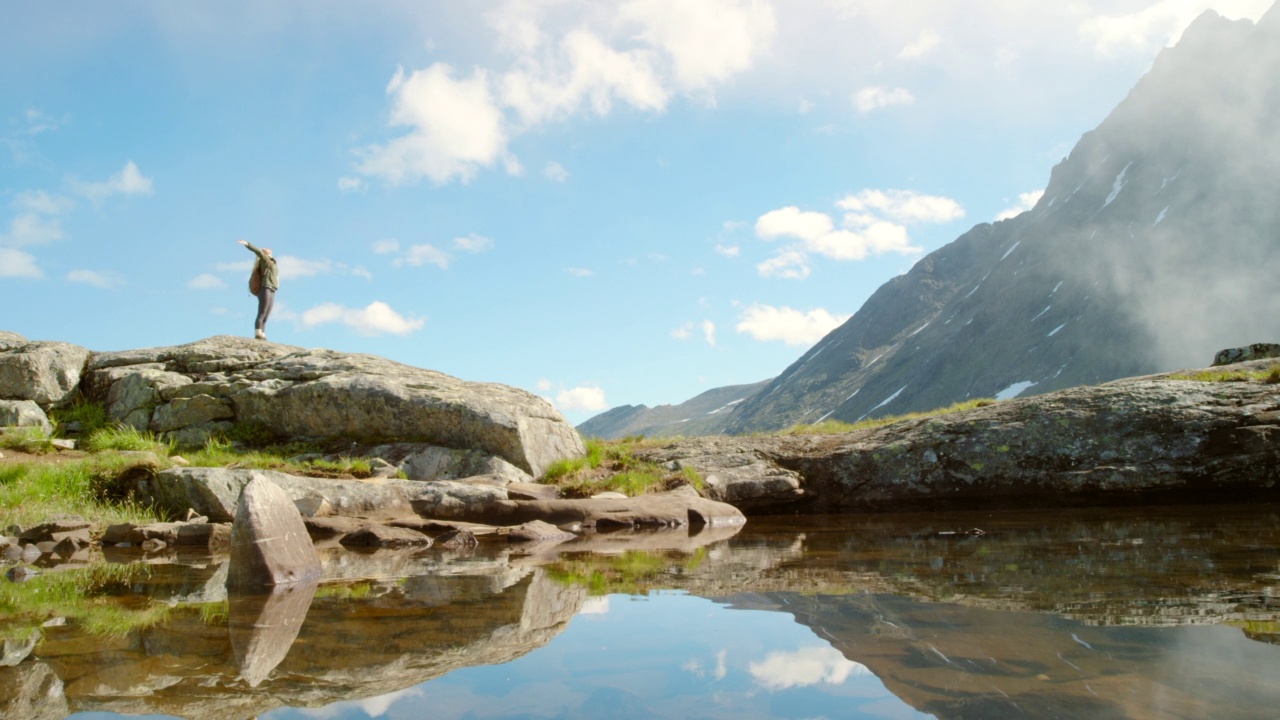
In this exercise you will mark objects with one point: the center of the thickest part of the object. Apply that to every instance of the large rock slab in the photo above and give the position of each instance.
(47, 373)
(1155, 439)
(269, 542)
(214, 492)
(299, 393)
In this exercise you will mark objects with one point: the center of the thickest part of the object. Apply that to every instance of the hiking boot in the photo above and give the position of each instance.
(260, 335)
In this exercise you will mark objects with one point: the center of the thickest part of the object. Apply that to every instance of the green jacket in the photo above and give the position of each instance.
(270, 271)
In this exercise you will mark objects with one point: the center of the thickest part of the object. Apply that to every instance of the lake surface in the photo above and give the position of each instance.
(1134, 613)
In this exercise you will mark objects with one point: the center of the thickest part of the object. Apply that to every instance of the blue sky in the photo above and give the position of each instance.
(605, 203)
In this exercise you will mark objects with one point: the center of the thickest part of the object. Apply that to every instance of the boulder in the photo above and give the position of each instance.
(24, 413)
(47, 373)
(269, 542)
(16, 647)
(477, 428)
(11, 340)
(537, 531)
(665, 510)
(264, 626)
(213, 492)
(32, 691)
(385, 536)
(1256, 351)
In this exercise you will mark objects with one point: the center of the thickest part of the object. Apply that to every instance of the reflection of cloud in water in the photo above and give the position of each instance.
(595, 606)
(801, 668)
(374, 707)
(722, 668)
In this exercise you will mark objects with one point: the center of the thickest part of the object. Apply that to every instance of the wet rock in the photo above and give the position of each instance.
(324, 528)
(385, 536)
(538, 531)
(12, 554)
(151, 545)
(56, 530)
(438, 527)
(21, 573)
(269, 542)
(214, 537)
(648, 511)
(458, 540)
(532, 491)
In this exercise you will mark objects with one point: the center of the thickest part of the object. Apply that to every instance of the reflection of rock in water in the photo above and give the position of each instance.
(31, 691)
(263, 627)
(393, 635)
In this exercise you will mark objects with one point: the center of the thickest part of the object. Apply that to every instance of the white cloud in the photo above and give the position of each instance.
(555, 171)
(873, 98)
(792, 222)
(544, 385)
(424, 254)
(383, 247)
(102, 280)
(455, 128)
(206, 281)
(584, 397)
(473, 243)
(906, 206)
(579, 272)
(1026, 201)
(348, 184)
(803, 668)
(684, 332)
(922, 46)
(129, 181)
(30, 228)
(708, 41)
(709, 332)
(18, 264)
(295, 267)
(730, 251)
(39, 201)
(788, 265)
(376, 319)
(793, 327)
(362, 272)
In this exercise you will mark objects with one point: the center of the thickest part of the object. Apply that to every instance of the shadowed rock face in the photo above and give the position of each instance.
(1142, 440)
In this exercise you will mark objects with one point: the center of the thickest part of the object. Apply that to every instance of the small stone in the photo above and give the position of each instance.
(63, 443)
(21, 573)
(179, 460)
(12, 554)
(66, 547)
(153, 545)
(385, 536)
(194, 517)
(458, 540)
(120, 534)
(538, 531)
(54, 622)
(609, 495)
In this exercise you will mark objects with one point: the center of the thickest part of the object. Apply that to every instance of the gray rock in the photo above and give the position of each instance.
(11, 339)
(458, 540)
(24, 413)
(1257, 351)
(385, 536)
(55, 530)
(133, 398)
(439, 463)
(538, 531)
(664, 510)
(269, 542)
(185, 412)
(264, 626)
(47, 373)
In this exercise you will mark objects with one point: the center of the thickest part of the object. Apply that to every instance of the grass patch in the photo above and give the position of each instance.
(611, 466)
(31, 494)
(86, 417)
(1270, 375)
(30, 440)
(223, 452)
(634, 572)
(126, 438)
(831, 427)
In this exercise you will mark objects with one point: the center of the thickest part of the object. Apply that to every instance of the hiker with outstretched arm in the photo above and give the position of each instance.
(267, 275)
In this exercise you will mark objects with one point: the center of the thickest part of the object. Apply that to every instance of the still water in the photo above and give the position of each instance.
(1135, 613)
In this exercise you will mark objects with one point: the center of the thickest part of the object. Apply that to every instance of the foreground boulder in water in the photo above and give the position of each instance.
(269, 541)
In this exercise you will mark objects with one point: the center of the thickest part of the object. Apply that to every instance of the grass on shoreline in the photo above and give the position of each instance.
(1269, 375)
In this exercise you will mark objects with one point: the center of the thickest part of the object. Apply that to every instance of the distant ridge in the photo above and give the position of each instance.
(698, 416)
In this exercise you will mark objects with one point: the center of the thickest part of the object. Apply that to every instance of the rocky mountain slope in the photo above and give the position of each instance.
(1154, 244)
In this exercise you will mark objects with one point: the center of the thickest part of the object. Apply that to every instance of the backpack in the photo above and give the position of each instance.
(255, 280)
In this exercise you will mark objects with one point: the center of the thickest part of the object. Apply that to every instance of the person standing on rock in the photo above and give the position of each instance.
(268, 281)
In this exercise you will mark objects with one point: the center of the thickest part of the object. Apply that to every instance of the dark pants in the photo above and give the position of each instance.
(266, 298)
